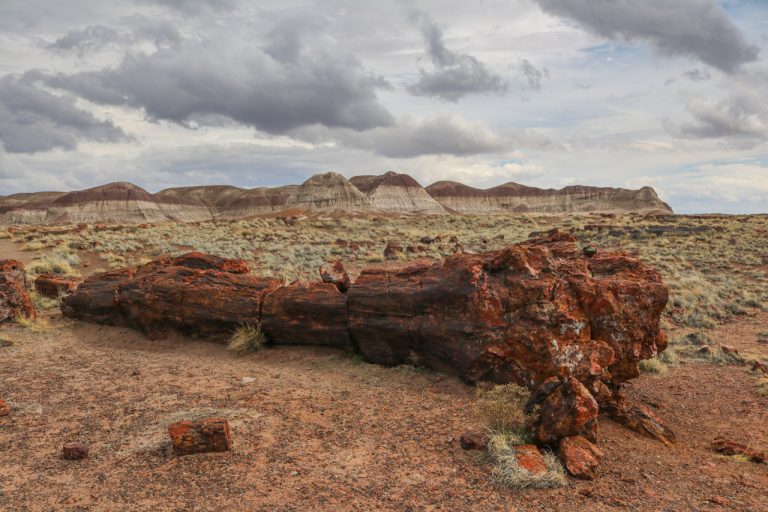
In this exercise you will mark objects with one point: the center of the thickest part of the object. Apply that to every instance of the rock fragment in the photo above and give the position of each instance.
(5, 409)
(474, 440)
(200, 436)
(74, 451)
(14, 299)
(580, 457)
(52, 286)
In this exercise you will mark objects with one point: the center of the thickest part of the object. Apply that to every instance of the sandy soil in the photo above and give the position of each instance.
(316, 430)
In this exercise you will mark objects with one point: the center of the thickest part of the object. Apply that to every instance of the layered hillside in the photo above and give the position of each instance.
(112, 203)
(397, 193)
(391, 192)
(516, 198)
(232, 202)
(329, 191)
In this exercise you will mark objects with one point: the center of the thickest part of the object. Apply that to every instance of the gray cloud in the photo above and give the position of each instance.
(533, 75)
(696, 28)
(697, 75)
(742, 117)
(32, 119)
(192, 7)
(96, 37)
(440, 135)
(454, 75)
(232, 77)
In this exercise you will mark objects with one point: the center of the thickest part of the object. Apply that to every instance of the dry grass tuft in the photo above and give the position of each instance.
(507, 471)
(7, 342)
(246, 339)
(502, 408)
(654, 365)
(761, 387)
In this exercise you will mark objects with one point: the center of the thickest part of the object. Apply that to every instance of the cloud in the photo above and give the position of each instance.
(454, 75)
(193, 7)
(96, 37)
(697, 75)
(533, 75)
(33, 120)
(414, 136)
(741, 117)
(695, 28)
(230, 76)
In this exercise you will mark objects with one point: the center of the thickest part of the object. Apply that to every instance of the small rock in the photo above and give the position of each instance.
(589, 251)
(719, 500)
(334, 272)
(760, 367)
(247, 380)
(200, 436)
(529, 458)
(5, 409)
(580, 457)
(474, 440)
(74, 451)
(729, 349)
(730, 447)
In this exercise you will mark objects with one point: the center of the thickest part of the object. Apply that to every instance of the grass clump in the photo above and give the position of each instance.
(502, 408)
(761, 387)
(7, 342)
(507, 470)
(655, 365)
(246, 339)
(41, 302)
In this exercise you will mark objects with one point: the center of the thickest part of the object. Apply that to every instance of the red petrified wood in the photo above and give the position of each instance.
(201, 436)
(5, 409)
(74, 451)
(14, 299)
(52, 286)
(529, 458)
(580, 457)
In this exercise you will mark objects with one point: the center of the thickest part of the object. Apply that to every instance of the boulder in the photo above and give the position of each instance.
(567, 409)
(193, 294)
(200, 436)
(14, 299)
(306, 314)
(529, 458)
(580, 457)
(52, 286)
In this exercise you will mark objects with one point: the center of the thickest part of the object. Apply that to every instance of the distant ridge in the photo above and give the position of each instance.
(124, 202)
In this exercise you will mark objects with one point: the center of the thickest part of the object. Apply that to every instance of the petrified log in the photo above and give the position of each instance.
(193, 294)
(529, 312)
(14, 299)
(306, 314)
(52, 286)
(200, 436)
(729, 447)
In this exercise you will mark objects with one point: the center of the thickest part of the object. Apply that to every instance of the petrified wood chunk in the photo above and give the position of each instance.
(194, 294)
(529, 312)
(51, 285)
(306, 314)
(200, 436)
(14, 299)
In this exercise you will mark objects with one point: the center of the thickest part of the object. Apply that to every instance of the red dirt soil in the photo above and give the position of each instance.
(315, 430)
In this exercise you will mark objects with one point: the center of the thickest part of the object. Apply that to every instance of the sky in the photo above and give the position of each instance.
(548, 93)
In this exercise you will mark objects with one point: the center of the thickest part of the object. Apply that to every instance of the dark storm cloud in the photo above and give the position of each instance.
(96, 37)
(232, 77)
(33, 120)
(533, 75)
(454, 75)
(696, 28)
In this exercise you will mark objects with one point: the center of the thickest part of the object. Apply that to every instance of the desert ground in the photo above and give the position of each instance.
(318, 429)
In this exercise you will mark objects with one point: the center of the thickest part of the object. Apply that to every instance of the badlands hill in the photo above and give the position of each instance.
(390, 192)
(516, 198)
